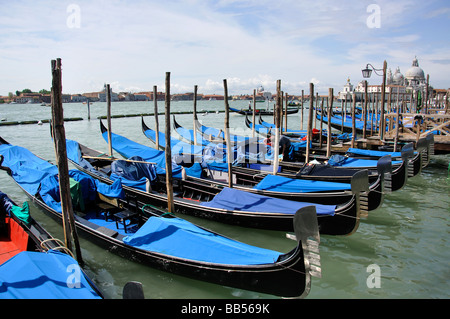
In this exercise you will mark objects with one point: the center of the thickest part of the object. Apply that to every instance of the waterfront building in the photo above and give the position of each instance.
(414, 80)
(415, 77)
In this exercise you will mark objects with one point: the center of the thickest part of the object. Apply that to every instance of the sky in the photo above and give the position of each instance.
(132, 44)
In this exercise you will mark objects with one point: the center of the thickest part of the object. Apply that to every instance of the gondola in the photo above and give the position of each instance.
(327, 193)
(394, 178)
(212, 135)
(197, 198)
(297, 138)
(25, 244)
(345, 125)
(262, 111)
(166, 242)
(408, 164)
(302, 133)
(264, 126)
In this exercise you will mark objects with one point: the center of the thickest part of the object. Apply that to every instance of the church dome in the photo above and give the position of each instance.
(398, 77)
(415, 72)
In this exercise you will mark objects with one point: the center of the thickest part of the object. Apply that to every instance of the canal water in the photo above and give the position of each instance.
(401, 250)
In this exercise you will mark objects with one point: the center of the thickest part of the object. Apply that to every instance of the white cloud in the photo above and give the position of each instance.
(249, 42)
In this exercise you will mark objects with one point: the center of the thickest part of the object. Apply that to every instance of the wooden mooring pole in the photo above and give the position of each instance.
(155, 105)
(353, 120)
(168, 151)
(310, 119)
(301, 117)
(108, 115)
(195, 114)
(276, 145)
(365, 110)
(254, 113)
(59, 138)
(330, 111)
(227, 135)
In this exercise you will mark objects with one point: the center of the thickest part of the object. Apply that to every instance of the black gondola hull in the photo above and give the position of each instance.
(275, 279)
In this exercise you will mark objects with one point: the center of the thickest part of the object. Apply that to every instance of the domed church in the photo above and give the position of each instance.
(396, 79)
(415, 77)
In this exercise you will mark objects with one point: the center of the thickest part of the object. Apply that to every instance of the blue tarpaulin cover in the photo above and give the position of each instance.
(127, 148)
(177, 237)
(37, 175)
(359, 151)
(27, 169)
(233, 199)
(285, 184)
(177, 146)
(135, 171)
(51, 275)
(343, 161)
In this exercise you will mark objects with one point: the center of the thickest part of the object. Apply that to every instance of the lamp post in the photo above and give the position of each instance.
(366, 74)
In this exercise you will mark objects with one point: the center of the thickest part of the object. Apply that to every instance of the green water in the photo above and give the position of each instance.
(407, 238)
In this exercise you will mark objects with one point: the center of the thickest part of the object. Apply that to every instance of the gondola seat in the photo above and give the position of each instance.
(124, 216)
(108, 206)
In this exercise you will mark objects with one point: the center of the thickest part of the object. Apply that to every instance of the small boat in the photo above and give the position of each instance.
(164, 241)
(258, 167)
(319, 192)
(345, 124)
(51, 271)
(261, 111)
(201, 199)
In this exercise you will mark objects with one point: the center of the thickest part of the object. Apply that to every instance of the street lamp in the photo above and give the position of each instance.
(366, 74)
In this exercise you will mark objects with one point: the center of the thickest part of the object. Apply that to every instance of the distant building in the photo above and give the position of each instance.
(102, 96)
(212, 97)
(261, 93)
(29, 98)
(415, 77)
(93, 96)
(78, 98)
(183, 97)
(413, 80)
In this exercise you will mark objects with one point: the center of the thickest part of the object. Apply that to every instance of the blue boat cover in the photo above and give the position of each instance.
(272, 126)
(277, 183)
(27, 169)
(177, 237)
(128, 148)
(36, 175)
(188, 135)
(233, 199)
(74, 154)
(344, 161)
(177, 146)
(359, 151)
(347, 123)
(37, 275)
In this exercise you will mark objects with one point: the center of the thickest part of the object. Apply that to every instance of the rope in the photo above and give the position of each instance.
(156, 208)
(61, 247)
